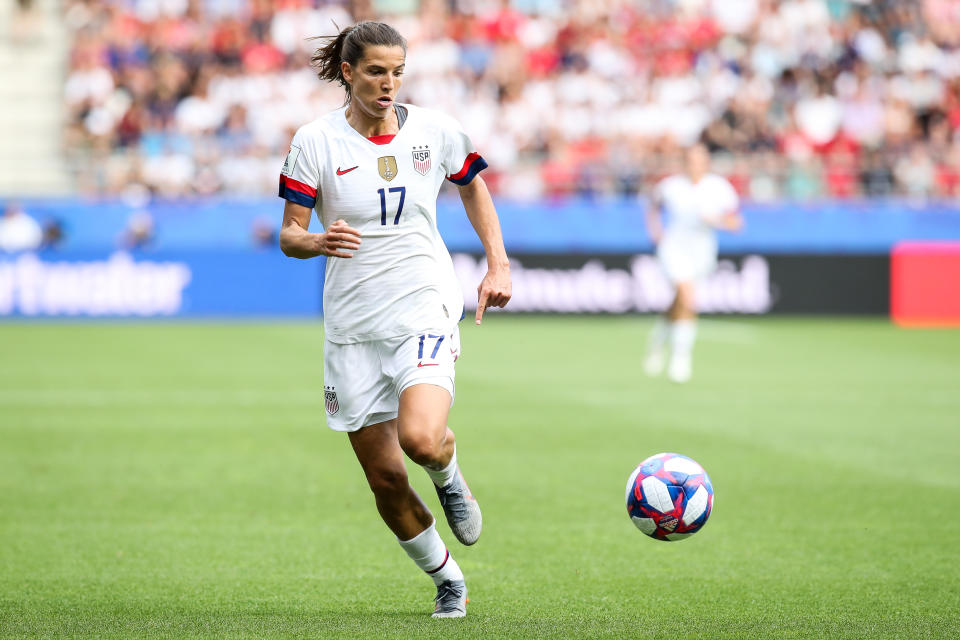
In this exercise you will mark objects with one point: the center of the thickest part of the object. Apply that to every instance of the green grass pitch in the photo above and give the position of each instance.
(178, 480)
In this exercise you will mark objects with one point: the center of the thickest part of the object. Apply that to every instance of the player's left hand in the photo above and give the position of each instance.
(733, 221)
(494, 291)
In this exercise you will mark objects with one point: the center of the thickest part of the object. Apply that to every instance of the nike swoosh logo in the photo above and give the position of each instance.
(430, 364)
(340, 171)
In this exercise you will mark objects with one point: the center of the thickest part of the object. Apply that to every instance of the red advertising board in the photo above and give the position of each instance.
(925, 284)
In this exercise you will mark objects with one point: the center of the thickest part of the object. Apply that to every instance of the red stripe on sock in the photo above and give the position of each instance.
(447, 557)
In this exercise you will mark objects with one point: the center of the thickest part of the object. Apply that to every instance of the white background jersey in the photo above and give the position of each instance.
(690, 208)
(401, 279)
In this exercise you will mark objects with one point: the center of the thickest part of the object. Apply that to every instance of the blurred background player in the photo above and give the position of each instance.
(391, 300)
(695, 203)
(18, 231)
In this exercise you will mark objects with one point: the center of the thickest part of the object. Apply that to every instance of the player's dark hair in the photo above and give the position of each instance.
(349, 46)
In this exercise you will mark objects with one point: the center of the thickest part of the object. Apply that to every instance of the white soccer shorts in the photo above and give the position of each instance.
(362, 382)
(687, 258)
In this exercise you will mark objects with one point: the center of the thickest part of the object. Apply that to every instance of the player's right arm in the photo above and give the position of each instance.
(300, 188)
(296, 240)
(654, 215)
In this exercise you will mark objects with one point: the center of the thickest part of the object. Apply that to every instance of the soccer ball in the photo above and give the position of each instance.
(669, 496)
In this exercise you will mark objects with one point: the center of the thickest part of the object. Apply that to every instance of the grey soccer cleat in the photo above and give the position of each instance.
(461, 509)
(451, 600)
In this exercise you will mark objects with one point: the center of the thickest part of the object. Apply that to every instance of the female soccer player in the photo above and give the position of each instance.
(696, 203)
(391, 300)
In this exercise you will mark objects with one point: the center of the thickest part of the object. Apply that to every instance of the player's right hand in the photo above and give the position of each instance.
(338, 239)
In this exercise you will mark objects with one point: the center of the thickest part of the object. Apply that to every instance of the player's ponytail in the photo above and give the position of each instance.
(349, 45)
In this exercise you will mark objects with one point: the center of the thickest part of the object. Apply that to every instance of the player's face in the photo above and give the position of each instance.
(698, 160)
(375, 80)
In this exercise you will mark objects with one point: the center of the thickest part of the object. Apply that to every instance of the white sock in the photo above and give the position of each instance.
(443, 477)
(683, 334)
(659, 335)
(430, 554)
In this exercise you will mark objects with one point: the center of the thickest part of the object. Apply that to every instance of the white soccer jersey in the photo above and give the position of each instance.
(688, 249)
(401, 279)
(691, 208)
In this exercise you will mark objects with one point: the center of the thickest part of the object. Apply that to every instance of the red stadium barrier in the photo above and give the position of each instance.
(925, 284)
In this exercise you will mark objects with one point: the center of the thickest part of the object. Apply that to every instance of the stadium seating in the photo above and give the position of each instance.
(33, 58)
(800, 99)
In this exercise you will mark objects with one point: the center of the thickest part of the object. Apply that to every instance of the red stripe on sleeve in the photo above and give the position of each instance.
(466, 166)
(296, 185)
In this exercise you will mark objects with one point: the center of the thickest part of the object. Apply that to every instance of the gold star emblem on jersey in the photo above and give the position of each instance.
(387, 165)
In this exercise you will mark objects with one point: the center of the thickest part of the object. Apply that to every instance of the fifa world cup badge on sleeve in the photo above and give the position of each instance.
(291, 161)
(421, 159)
(330, 400)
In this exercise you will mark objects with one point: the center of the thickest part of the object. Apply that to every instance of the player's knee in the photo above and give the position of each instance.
(422, 448)
(685, 303)
(388, 481)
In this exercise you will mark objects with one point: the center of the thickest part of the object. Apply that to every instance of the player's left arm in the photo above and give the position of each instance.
(730, 218)
(729, 221)
(496, 288)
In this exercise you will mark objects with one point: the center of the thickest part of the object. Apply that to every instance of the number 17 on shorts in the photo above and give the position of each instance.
(433, 359)
(432, 343)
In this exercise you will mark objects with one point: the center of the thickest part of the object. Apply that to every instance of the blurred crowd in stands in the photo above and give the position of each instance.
(798, 99)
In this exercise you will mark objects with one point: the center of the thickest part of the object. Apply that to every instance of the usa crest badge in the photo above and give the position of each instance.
(330, 400)
(387, 166)
(421, 159)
